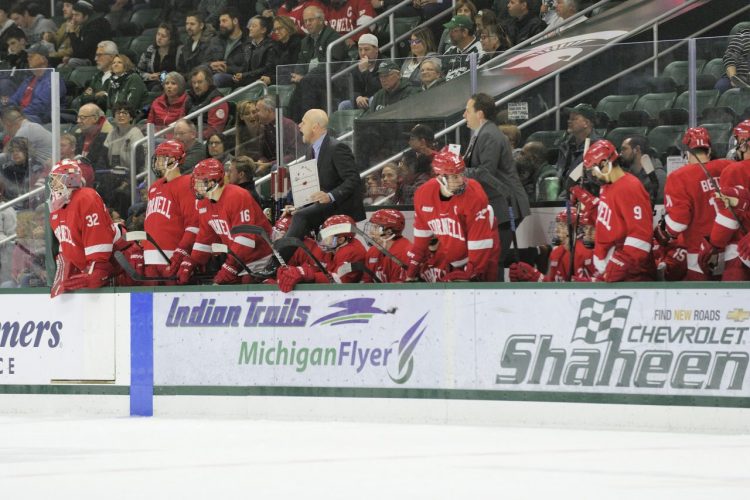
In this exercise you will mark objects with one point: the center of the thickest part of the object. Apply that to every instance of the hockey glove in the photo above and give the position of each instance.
(178, 256)
(589, 202)
(95, 277)
(736, 197)
(521, 271)
(226, 275)
(618, 268)
(743, 248)
(186, 270)
(708, 257)
(288, 277)
(465, 274)
(662, 234)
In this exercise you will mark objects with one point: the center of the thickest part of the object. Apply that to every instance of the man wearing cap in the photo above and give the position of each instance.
(581, 120)
(393, 87)
(526, 21)
(456, 60)
(34, 95)
(91, 30)
(365, 81)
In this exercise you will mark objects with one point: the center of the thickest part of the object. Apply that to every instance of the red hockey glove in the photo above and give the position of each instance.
(98, 277)
(412, 272)
(662, 234)
(178, 256)
(589, 202)
(741, 198)
(618, 268)
(743, 248)
(708, 257)
(288, 277)
(226, 275)
(465, 274)
(185, 272)
(521, 271)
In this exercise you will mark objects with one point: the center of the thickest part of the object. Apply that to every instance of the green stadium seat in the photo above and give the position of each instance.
(731, 106)
(646, 110)
(146, 18)
(714, 67)
(550, 138)
(678, 71)
(678, 115)
(720, 134)
(666, 139)
(343, 121)
(617, 135)
(613, 105)
(81, 76)
(140, 43)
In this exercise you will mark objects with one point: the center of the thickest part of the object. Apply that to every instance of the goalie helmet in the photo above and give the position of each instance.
(207, 175)
(64, 178)
(164, 151)
(697, 138)
(328, 240)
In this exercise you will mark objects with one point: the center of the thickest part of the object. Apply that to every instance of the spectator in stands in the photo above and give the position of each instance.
(68, 152)
(580, 127)
(200, 47)
(290, 132)
(15, 124)
(373, 192)
(736, 63)
(526, 20)
(418, 171)
(91, 133)
(211, 10)
(98, 87)
(248, 131)
(484, 18)
(633, 148)
(126, 85)
(170, 106)
(8, 223)
(8, 28)
(92, 29)
(34, 94)
(28, 16)
(513, 134)
(122, 136)
(232, 54)
(465, 8)
(456, 58)
(186, 133)
(218, 148)
(365, 81)
(529, 164)
(16, 60)
(20, 171)
(309, 75)
(160, 58)
(203, 92)
(494, 42)
(346, 15)
(295, 10)
(63, 48)
(261, 54)
(392, 177)
(242, 173)
(421, 45)
(288, 40)
(430, 73)
(422, 144)
(565, 9)
(394, 88)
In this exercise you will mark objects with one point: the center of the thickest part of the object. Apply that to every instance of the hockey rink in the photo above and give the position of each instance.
(221, 458)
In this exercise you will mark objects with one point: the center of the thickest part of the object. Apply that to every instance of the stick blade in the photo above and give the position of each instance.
(247, 228)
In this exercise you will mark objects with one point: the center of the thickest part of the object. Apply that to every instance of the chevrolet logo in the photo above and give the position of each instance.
(738, 315)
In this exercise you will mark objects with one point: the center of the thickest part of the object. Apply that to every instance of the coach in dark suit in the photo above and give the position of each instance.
(489, 160)
(341, 189)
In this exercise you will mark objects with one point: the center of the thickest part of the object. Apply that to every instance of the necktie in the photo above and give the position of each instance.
(470, 147)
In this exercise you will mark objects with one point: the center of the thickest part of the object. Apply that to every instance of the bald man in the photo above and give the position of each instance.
(340, 185)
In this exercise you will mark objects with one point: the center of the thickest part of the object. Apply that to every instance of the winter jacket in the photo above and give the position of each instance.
(162, 113)
(262, 60)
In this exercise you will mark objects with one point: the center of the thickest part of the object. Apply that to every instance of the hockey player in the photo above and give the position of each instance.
(559, 258)
(622, 245)
(689, 200)
(347, 15)
(220, 208)
(83, 228)
(732, 216)
(454, 210)
(171, 216)
(299, 257)
(385, 226)
(340, 251)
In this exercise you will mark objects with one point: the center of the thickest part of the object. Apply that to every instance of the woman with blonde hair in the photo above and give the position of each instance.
(421, 45)
(248, 131)
(125, 85)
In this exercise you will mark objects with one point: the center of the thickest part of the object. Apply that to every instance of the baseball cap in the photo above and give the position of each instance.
(387, 66)
(83, 7)
(420, 131)
(459, 22)
(585, 110)
(38, 48)
(368, 38)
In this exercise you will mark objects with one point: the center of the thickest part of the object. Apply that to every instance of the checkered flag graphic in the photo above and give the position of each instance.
(601, 321)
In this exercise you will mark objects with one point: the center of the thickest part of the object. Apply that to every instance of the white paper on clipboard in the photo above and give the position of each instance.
(304, 180)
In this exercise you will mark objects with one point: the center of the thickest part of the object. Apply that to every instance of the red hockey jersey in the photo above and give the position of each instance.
(171, 218)
(84, 229)
(725, 227)
(384, 267)
(349, 16)
(337, 263)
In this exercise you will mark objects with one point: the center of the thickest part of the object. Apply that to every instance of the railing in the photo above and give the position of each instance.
(150, 135)
(7, 239)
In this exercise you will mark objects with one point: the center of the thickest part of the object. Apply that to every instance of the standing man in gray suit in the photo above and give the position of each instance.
(489, 159)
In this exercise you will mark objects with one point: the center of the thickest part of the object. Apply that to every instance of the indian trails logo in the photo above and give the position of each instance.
(397, 357)
(664, 357)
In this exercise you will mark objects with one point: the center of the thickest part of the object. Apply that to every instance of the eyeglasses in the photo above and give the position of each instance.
(415, 41)
(122, 112)
(98, 54)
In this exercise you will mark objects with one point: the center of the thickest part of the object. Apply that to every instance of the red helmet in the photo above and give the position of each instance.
(599, 151)
(697, 138)
(281, 227)
(339, 219)
(329, 234)
(446, 162)
(64, 178)
(168, 149)
(389, 218)
(206, 171)
(742, 131)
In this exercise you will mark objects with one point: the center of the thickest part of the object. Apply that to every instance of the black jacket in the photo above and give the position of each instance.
(93, 31)
(260, 60)
(526, 27)
(236, 60)
(365, 83)
(338, 176)
(316, 48)
(206, 51)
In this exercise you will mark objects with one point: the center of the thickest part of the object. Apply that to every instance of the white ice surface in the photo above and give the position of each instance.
(165, 458)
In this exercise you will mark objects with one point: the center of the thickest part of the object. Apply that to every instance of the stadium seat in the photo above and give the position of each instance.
(122, 42)
(720, 134)
(550, 138)
(401, 25)
(140, 43)
(146, 18)
(613, 105)
(739, 27)
(678, 115)
(678, 71)
(252, 94)
(666, 139)
(714, 67)
(343, 121)
(81, 76)
(617, 135)
(646, 110)
(731, 106)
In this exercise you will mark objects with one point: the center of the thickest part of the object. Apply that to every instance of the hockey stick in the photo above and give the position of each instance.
(143, 235)
(573, 228)
(222, 248)
(512, 220)
(259, 231)
(135, 275)
(361, 267)
(290, 241)
(352, 228)
(715, 187)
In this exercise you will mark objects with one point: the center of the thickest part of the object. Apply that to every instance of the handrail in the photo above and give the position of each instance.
(8, 239)
(198, 113)
(21, 198)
